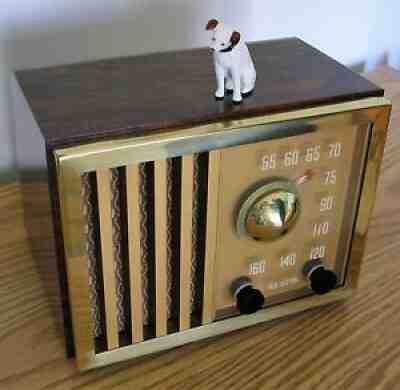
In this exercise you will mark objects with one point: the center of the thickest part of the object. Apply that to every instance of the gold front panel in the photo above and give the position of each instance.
(324, 165)
(229, 178)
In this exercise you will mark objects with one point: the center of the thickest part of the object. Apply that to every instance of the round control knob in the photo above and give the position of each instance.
(270, 211)
(248, 299)
(322, 280)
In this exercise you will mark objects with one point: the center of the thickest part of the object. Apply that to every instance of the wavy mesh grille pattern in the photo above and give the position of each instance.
(147, 194)
(95, 280)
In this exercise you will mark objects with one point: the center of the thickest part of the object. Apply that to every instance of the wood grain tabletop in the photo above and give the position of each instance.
(351, 345)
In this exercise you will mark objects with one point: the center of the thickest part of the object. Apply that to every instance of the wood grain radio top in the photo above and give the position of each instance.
(178, 217)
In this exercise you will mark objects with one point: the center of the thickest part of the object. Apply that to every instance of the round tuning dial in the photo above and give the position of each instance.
(270, 211)
(248, 299)
(321, 279)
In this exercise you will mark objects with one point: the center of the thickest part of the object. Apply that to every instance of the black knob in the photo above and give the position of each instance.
(322, 280)
(249, 300)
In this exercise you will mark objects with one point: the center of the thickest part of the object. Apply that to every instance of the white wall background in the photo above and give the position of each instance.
(35, 33)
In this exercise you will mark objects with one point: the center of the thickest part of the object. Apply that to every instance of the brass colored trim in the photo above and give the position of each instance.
(160, 222)
(72, 162)
(110, 297)
(186, 242)
(175, 142)
(135, 266)
(73, 225)
(364, 137)
(216, 328)
(368, 194)
(208, 314)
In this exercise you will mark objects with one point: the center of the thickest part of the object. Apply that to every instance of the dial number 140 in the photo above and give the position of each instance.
(288, 261)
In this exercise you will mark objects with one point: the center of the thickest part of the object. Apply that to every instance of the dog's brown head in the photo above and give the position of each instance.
(212, 24)
(224, 38)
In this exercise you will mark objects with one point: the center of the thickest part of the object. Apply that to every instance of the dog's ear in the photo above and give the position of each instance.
(212, 24)
(235, 38)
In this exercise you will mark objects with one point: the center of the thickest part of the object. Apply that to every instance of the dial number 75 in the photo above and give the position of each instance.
(330, 177)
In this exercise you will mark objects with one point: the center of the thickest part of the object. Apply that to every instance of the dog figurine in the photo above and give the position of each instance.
(234, 66)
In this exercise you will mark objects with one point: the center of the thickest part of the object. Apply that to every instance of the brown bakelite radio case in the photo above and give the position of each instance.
(177, 217)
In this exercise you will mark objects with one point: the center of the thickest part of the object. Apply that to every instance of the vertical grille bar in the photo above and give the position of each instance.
(107, 250)
(160, 210)
(156, 247)
(135, 265)
(186, 242)
(208, 314)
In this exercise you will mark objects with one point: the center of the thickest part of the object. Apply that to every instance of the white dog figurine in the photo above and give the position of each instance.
(234, 67)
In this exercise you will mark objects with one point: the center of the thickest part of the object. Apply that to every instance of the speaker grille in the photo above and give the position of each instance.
(143, 283)
(90, 211)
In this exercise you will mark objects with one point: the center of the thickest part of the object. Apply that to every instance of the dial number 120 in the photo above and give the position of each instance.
(317, 252)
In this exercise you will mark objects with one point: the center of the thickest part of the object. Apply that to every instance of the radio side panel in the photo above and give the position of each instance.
(38, 183)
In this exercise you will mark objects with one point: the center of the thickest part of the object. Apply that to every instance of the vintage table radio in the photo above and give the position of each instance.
(178, 217)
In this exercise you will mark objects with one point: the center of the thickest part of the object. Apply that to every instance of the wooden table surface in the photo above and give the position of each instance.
(351, 345)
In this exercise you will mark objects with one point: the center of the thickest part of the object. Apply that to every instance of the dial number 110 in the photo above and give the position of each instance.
(321, 229)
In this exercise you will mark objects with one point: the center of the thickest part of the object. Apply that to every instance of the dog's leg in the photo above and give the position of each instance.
(229, 84)
(248, 87)
(237, 96)
(248, 82)
(220, 73)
